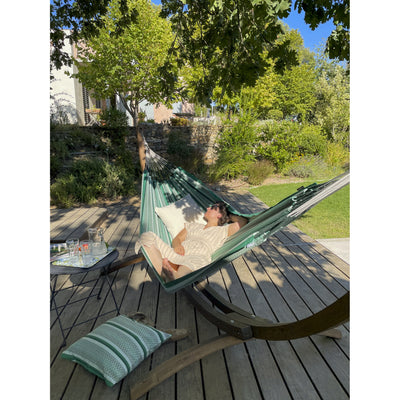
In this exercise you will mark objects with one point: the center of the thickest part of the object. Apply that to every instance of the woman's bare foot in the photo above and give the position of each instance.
(168, 272)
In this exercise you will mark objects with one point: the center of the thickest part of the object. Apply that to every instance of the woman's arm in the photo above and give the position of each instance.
(238, 222)
(233, 228)
(177, 242)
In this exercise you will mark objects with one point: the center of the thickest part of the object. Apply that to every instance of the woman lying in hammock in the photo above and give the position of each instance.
(193, 246)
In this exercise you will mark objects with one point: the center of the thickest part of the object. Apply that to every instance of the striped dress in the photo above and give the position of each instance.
(199, 245)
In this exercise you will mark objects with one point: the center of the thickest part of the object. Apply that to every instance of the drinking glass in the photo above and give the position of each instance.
(72, 245)
(86, 251)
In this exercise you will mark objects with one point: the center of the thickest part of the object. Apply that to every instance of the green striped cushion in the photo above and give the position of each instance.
(115, 348)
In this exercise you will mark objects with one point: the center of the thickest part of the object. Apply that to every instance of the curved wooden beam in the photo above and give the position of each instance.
(180, 361)
(244, 325)
(331, 316)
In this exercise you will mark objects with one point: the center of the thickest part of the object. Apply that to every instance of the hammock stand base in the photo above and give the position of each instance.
(240, 326)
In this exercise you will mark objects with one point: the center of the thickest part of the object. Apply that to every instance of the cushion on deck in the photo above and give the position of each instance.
(176, 214)
(115, 348)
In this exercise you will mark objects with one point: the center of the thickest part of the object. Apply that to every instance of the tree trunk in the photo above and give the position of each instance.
(141, 149)
(133, 109)
(134, 105)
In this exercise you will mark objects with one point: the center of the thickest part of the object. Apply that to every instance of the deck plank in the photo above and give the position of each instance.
(189, 380)
(74, 224)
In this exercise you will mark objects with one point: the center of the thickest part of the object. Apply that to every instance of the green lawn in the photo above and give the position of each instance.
(328, 219)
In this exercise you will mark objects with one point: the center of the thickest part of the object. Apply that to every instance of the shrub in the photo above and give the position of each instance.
(280, 143)
(259, 171)
(89, 180)
(285, 142)
(115, 124)
(236, 148)
(178, 121)
(337, 155)
(276, 115)
(307, 167)
(311, 140)
(141, 116)
(113, 118)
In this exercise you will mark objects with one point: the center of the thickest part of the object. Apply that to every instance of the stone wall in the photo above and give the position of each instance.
(201, 137)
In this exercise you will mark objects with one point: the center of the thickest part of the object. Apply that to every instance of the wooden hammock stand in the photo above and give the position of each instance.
(239, 325)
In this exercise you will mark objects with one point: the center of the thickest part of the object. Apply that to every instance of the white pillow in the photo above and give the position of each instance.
(175, 215)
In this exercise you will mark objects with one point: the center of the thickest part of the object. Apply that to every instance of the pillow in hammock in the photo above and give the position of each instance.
(115, 348)
(175, 215)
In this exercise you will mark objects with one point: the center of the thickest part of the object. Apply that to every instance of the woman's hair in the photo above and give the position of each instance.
(224, 212)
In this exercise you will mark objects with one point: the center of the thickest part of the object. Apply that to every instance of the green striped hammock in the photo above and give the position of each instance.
(164, 183)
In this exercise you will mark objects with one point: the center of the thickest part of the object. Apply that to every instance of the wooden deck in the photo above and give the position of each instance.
(290, 277)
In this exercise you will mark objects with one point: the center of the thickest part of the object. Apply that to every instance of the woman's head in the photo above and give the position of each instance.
(221, 208)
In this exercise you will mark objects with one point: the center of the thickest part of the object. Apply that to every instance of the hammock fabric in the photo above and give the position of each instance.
(163, 184)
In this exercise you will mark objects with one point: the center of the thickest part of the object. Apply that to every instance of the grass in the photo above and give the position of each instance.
(328, 219)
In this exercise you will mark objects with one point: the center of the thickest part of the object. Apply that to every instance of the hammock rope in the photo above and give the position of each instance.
(163, 184)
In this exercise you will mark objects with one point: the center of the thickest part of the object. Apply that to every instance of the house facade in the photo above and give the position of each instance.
(72, 103)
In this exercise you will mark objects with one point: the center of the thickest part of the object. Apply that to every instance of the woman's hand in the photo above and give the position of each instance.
(179, 249)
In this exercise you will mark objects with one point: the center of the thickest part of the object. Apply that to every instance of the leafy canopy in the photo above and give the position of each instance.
(75, 19)
(227, 39)
(128, 64)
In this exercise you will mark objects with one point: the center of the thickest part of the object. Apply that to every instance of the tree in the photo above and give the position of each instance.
(295, 92)
(291, 92)
(128, 64)
(227, 38)
(332, 110)
(77, 19)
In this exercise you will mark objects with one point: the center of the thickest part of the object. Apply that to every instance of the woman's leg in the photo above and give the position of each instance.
(155, 257)
(172, 272)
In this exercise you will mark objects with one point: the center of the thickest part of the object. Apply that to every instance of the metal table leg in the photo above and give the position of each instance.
(53, 301)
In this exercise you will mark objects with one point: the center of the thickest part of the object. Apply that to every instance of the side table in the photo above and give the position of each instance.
(102, 265)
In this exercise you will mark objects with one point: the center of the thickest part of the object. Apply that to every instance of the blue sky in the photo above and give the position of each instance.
(312, 39)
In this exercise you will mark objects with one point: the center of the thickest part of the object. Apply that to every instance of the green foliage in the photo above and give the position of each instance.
(259, 171)
(311, 140)
(307, 167)
(337, 155)
(332, 109)
(285, 142)
(235, 147)
(295, 92)
(115, 126)
(82, 21)
(200, 110)
(320, 11)
(87, 181)
(129, 63)
(113, 118)
(141, 116)
(276, 115)
(280, 144)
(179, 121)
(226, 39)
(108, 170)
